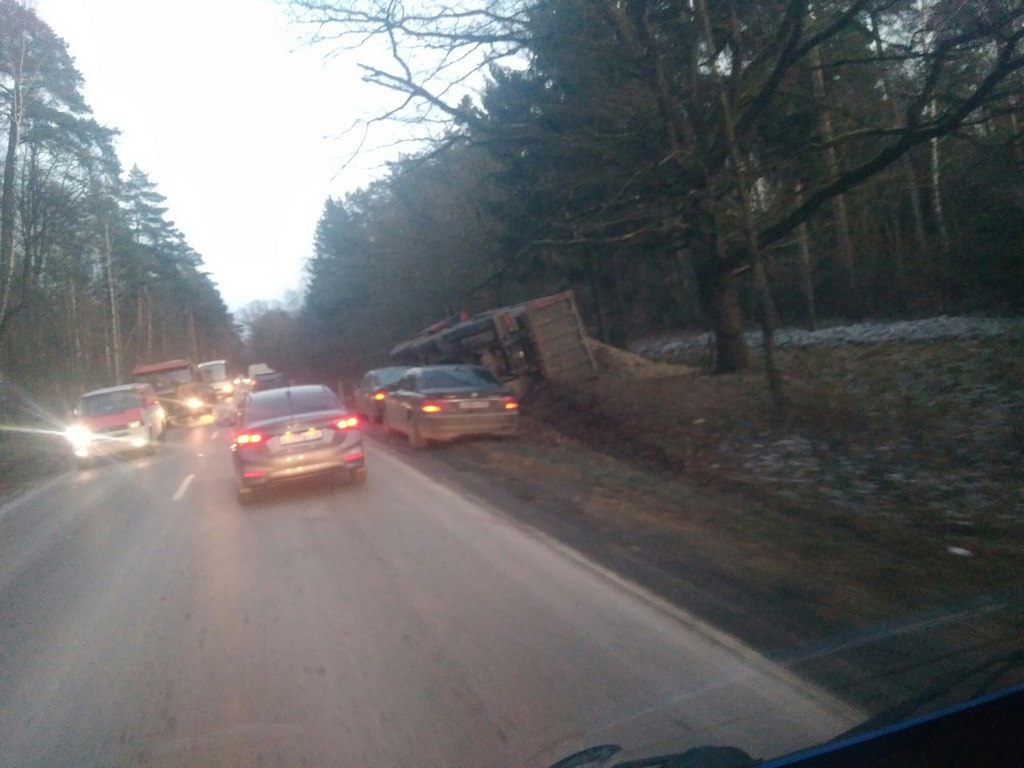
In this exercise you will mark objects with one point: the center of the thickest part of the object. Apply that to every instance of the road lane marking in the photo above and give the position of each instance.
(183, 487)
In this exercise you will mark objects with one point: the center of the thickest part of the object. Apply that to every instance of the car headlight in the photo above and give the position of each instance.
(78, 435)
(134, 424)
(194, 402)
(229, 388)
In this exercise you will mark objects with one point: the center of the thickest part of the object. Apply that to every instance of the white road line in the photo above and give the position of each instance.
(213, 436)
(183, 487)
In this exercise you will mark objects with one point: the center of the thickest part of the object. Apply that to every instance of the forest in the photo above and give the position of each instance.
(719, 165)
(94, 276)
(688, 164)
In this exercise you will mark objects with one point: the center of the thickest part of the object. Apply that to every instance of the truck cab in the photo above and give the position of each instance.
(183, 394)
(215, 374)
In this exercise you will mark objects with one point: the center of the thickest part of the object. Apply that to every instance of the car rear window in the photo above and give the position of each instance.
(275, 403)
(458, 378)
(108, 402)
(387, 376)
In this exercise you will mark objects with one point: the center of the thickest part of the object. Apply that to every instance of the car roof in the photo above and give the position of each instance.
(377, 372)
(118, 388)
(266, 395)
(451, 367)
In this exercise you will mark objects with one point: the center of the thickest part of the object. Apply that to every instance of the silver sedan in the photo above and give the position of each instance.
(294, 433)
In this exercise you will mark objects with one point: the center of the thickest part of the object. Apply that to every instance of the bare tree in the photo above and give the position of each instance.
(713, 85)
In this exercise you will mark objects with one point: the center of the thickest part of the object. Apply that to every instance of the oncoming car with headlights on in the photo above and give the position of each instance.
(294, 433)
(115, 420)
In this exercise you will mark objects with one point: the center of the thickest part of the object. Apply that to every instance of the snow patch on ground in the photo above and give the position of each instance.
(939, 328)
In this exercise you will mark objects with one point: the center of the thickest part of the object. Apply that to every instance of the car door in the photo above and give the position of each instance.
(398, 402)
(366, 390)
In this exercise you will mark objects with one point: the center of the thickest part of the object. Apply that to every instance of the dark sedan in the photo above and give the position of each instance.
(294, 433)
(442, 402)
(369, 395)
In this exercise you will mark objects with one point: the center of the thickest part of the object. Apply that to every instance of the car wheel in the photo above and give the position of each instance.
(416, 440)
(357, 476)
(246, 496)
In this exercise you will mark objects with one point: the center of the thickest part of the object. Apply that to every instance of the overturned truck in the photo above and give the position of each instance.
(541, 337)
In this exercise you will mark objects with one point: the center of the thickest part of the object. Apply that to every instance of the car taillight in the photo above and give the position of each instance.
(249, 438)
(349, 422)
(379, 395)
(510, 403)
(432, 407)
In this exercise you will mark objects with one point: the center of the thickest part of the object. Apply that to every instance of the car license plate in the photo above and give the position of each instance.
(290, 438)
(474, 405)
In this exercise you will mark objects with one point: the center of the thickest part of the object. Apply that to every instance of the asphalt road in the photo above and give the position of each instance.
(147, 619)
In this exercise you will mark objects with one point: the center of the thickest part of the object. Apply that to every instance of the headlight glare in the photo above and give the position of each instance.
(78, 435)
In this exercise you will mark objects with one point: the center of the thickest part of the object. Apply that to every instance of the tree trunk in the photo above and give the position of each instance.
(1015, 129)
(847, 259)
(74, 329)
(806, 265)
(754, 253)
(193, 339)
(936, 183)
(148, 348)
(7, 192)
(719, 297)
(115, 316)
(731, 353)
(906, 162)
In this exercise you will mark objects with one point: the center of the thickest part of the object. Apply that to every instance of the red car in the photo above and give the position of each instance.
(116, 420)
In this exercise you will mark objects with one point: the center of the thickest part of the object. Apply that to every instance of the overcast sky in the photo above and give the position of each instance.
(235, 120)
